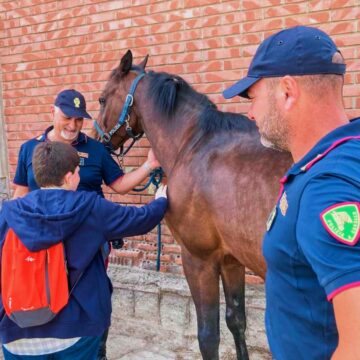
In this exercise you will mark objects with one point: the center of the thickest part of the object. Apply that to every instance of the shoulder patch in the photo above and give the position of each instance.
(342, 222)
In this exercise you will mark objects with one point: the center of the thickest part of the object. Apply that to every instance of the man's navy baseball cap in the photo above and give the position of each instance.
(300, 50)
(72, 104)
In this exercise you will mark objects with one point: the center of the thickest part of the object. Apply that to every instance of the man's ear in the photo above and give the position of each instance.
(289, 91)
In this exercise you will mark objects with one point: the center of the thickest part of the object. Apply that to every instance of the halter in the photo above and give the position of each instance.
(124, 118)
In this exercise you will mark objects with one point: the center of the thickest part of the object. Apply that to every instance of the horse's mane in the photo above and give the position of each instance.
(173, 96)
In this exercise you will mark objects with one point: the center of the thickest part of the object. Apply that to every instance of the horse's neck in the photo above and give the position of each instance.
(166, 138)
(166, 145)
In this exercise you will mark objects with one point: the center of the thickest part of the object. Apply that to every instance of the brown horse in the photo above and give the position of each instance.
(222, 185)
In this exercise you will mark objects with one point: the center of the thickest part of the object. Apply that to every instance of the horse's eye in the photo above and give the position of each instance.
(102, 101)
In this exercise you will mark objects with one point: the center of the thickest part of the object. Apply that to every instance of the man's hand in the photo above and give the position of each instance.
(161, 192)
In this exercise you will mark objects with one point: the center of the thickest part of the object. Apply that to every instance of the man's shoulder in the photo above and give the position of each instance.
(344, 159)
(31, 143)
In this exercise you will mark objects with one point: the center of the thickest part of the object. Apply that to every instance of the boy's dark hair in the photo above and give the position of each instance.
(51, 161)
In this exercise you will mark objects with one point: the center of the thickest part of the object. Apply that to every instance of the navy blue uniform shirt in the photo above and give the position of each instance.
(307, 262)
(96, 164)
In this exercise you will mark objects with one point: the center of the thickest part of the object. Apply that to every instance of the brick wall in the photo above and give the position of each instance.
(49, 45)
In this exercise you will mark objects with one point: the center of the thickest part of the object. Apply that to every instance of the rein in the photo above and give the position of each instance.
(155, 179)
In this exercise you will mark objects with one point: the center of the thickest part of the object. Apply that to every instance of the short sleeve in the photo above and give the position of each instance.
(3, 228)
(111, 171)
(336, 264)
(21, 169)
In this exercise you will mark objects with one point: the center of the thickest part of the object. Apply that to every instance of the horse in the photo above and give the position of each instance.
(222, 184)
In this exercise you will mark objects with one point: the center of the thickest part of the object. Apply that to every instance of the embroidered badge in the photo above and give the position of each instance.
(82, 162)
(271, 218)
(83, 155)
(77, 102)
(283, 204)
(342, 222)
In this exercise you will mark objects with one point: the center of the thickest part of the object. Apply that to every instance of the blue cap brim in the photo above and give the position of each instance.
(77, 113)
(240, 88)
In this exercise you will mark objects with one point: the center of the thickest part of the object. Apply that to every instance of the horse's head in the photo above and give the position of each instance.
(118, 119)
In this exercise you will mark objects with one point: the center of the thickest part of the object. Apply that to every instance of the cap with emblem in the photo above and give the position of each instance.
(301, 50)
(72, 103)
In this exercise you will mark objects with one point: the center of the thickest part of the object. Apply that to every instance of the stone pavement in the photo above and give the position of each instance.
(154, 319)
(132, 348)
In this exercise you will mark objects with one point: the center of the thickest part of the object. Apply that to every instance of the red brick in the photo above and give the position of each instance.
(345, 13)
(339, 27)
(133, 13)
(262, 25)
(318, 5)
(285, 10)
(173, 249)
(253, 4)
(192, 3)
(348, 40)
(127, 253)
(342, 3)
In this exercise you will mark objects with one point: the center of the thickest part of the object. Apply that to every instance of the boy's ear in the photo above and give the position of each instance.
(67, 178)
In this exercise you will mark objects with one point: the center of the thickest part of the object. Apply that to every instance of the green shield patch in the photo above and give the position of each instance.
(342, 222)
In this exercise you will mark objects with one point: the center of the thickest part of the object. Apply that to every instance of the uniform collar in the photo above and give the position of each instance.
(327, 142)
(82, 138)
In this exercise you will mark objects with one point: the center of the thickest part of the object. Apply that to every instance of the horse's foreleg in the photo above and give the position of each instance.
(233, 278)
(203, 279)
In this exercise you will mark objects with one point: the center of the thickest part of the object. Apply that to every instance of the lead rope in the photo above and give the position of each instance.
(155, 178)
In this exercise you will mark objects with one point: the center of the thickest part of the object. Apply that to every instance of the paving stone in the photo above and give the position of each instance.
(147, 306)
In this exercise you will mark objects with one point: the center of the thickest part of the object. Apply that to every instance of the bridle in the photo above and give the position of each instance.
(124, 119)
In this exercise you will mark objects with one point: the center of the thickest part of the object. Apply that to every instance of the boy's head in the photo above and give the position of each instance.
(56, 164)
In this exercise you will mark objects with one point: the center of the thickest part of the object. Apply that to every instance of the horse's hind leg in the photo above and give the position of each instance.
(233, 278)
(203, 279)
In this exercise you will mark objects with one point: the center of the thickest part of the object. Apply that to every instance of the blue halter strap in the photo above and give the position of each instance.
(124, 116)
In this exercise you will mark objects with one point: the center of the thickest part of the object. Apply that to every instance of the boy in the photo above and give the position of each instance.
(83, 221)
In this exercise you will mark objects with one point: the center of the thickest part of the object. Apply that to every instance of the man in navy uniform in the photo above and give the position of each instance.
(311, 246)
(96, 164)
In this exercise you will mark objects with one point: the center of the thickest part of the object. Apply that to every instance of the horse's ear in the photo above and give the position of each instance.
(125, 64)
(144, 62)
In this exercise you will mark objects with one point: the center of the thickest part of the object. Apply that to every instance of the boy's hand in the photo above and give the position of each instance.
(161, 192)
(152, 160)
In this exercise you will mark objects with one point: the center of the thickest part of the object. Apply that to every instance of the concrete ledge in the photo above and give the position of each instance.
(156, 308)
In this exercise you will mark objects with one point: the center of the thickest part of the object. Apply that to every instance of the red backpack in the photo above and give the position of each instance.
(34, 285)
